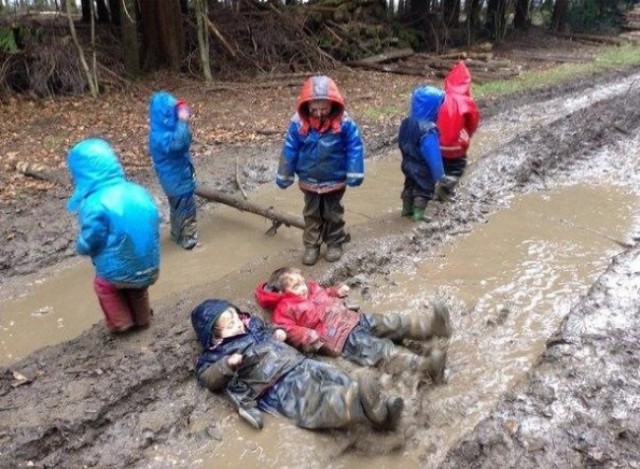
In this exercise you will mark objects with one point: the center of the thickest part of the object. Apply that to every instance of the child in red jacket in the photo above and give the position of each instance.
(458, 119)
(316, 319)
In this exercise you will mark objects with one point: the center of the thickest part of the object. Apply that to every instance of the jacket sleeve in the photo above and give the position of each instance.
(355, 153)
(94, 231)
(179, 140)
(300, 337)
(289, 157)
(430, 149)
(217, 375)
(472, 117)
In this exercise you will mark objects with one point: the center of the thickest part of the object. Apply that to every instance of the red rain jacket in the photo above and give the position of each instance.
(458, 117)
(321, 316)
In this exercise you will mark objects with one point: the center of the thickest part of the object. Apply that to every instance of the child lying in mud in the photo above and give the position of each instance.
(261, 373)
(316, 319)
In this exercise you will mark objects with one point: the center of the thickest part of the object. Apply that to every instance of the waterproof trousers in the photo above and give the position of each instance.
(323, 218)
(416, 192)
(182, 214)
(315, 395)
(123, 308)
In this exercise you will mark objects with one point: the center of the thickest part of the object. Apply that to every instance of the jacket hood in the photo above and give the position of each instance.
(458, 80)
(205, 315)
(425, 103)
(162, 111)
(266, 297)
(320, 87)
(92, 164)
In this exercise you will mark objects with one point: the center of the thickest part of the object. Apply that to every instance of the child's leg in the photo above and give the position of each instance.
(316, 395)
(312, 235)
(138, 301)
(365, 348)
(182, 213)
(407, 197)
(455, 166)
(114, 306)
(397, 327)
(333, 216)
(400, 360)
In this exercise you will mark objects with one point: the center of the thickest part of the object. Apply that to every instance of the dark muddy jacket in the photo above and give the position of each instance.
(169, 142)
(265, 359)
(327, 156)
(418, 137)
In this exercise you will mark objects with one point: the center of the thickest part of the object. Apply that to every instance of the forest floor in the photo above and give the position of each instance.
(85, 402)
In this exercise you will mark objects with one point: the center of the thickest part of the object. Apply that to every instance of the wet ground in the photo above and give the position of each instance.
(536, 259)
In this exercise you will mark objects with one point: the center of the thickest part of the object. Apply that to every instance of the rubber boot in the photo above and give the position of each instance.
(375, 408)
(407, 207)
(311, 254)
(395, 406)
(434, 365)
(431, 366)
(423, 328)
(418, 214)
(334, 253)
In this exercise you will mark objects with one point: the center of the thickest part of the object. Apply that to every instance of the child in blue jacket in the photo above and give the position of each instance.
(169, 143)
(419, 144)
(259, 372)
(119, 230)
(324, 148)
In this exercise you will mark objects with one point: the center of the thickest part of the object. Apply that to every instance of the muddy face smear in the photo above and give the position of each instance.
(139, 390)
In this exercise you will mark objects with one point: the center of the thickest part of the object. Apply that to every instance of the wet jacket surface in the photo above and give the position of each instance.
(418, 137)
(458, 117)
(321, 316)
(265, 359)
(325, 156)
(169, 143)
(119, 222)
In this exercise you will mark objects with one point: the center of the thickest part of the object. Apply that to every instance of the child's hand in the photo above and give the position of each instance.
(280, 335)
(343, 290)
(234, 360)
(184, 113)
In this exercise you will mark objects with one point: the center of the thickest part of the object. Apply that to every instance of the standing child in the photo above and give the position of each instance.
(324, 148)
(458, 120)
(261, 373)
(169, 142)
(420, 148)
(119, 230)
(316, 319)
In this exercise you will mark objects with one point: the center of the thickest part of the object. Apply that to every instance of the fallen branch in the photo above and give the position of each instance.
(388, 56)
(279, 218)
(216, 33)
(238, 183)
(42, 172)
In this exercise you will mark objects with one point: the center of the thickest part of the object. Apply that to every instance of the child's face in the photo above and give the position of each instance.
(229, 324)
(296, 285)
(320, 108)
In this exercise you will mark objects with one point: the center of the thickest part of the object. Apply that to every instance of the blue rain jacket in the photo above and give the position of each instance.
(418, 137)
(119, 221)
(323, 156)
(169, 142)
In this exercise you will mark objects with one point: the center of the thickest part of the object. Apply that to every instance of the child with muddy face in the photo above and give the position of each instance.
(421, 158)
(317, 320)
(259, 372)
(119, 230)
(324, 148)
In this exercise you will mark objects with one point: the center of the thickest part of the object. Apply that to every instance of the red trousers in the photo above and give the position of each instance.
(123, 308)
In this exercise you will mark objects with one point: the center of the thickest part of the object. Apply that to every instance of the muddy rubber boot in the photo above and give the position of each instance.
(441, 323)
(372, 403)
(434, 365)
(334, 253)
(252, 416)
(407, 208)
(311, 254)
(418, 214)
(395, 406)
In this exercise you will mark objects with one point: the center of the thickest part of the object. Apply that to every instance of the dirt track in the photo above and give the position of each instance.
(101, 402)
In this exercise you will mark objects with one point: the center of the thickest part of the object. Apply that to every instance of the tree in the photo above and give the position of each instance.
(559, 17)
(129, 34)
(521, 18)
(202, 16)
(163, 37)
(473, 19)
(496, 16)
(451, 12)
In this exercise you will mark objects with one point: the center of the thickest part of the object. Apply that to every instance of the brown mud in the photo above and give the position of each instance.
(97, 401)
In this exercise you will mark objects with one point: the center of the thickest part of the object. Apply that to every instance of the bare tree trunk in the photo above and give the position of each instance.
(451, 13)
(114, 11)
(103, 11)
(129, 32)
(521, 18)
(85, 67)
(163, 38)
(86, 10)
(496, 18)
(94, 60)
(559, 18)
(202, 15)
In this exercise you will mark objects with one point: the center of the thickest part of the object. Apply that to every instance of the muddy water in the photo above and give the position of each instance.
(61, 304)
